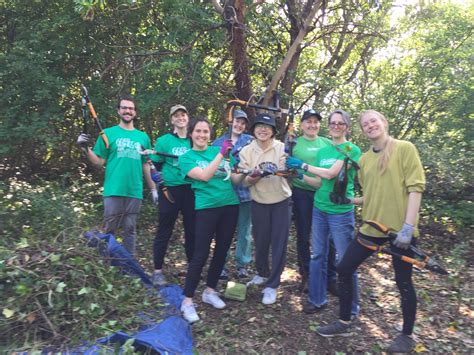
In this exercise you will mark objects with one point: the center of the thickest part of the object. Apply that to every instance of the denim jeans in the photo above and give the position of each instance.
(341, 228)
(243, 248)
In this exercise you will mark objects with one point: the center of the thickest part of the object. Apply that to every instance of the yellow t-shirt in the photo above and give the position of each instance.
(386, 196)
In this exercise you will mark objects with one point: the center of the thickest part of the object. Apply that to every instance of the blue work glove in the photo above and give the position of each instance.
(293, 163)
(404, 235)
(339, 200)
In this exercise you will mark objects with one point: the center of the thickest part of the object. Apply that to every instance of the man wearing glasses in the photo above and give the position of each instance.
(124, 171)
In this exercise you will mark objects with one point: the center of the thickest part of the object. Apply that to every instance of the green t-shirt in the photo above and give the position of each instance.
(326, 158)
(171, 144)
(124, 164)
(214, 193)
(306, 150)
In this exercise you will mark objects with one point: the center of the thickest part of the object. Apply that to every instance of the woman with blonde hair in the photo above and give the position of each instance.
(392, 180)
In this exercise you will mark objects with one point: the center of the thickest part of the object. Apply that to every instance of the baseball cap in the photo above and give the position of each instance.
(239, 114)
(308, 113)
(176, 108)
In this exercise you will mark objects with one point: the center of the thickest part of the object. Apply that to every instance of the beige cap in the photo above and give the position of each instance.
(176, 108)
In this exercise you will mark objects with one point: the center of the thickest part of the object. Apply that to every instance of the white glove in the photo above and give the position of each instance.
(83, 140)
(154, 197)
(404, 235)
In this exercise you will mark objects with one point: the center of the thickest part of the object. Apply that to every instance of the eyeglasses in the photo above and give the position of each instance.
(127, 108)
(337, 124)
(262, 126)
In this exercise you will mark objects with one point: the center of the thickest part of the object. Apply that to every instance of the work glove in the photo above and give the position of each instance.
(293, 163)
(226, 147)
(156, 176)
(339, 200)
(154, 197)
(83, 140)
(256, 173)
(404, 235)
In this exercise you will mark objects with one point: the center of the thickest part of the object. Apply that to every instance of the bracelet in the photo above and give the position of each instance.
(305, 166)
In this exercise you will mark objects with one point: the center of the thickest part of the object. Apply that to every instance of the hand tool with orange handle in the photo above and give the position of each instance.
(425, 263)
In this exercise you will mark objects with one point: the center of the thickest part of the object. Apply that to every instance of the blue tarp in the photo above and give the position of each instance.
(170, 336)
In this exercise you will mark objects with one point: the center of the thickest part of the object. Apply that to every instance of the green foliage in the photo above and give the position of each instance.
(55, 290)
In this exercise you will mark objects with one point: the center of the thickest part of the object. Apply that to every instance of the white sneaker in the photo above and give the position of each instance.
(212, 297)
(257, 280)
(269, 295)
(189, 312)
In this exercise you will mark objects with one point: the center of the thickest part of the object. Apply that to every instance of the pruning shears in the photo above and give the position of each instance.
(426, 262)
(87, 102)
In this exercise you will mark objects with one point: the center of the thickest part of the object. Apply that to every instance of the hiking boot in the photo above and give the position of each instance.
(242, 273)
(402, 344)
(334, 329)
(189, 312)
(269, 295)
(212, 297)
(257, 280)
(310, 308)
(224, 274)
(332, 288)
(158, 279)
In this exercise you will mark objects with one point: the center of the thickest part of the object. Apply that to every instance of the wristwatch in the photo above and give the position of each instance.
(304, 166)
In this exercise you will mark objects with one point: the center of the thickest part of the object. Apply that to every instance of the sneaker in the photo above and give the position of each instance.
(334, 329)
(242, 273)
(402, 344)
(269, 295)
(257, 280)
(189, 312)
(332, 288)
(212, 297)
(224, 274)
(158, 279)
(310, 308)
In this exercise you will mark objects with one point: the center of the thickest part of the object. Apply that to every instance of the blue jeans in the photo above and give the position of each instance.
(341, 228)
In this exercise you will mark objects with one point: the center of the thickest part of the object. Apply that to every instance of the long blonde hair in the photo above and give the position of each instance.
(389, 144)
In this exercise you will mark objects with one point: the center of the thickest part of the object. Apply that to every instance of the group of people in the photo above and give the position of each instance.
(241, 183)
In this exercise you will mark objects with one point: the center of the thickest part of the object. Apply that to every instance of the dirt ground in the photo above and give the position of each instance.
(444, 318)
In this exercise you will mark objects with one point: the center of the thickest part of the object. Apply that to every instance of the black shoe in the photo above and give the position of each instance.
(242, 273)
(334, 329)
(333, 289)
(224, 274)
(310, 308)
(402, 344)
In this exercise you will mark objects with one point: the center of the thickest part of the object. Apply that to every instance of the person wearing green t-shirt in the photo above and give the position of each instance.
(124, 171)
(392, 180)
(303, 194)
(175, 143)
(217, 209)
(329, 218)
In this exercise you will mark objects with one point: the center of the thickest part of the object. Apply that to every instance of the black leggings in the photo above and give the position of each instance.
(218, 223)
(355, 255)
(184, 203)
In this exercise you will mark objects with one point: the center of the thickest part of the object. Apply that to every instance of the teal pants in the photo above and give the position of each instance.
(243, 249)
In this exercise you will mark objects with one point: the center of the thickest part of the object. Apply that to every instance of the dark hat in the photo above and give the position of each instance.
(308, 113)
(264, 118)
(240, 114)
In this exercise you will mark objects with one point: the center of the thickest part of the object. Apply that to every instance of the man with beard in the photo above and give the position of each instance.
(124, 171)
